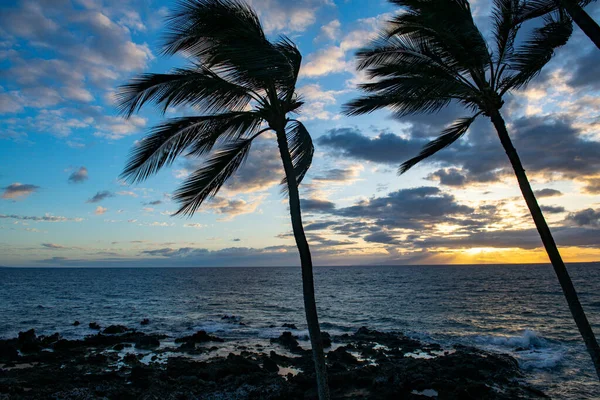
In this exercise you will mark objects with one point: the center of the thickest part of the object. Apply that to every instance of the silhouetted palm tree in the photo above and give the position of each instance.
(432, 54)
(242, 85)
(572, 7)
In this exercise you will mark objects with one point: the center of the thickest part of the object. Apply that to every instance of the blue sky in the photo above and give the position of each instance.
(63, 146)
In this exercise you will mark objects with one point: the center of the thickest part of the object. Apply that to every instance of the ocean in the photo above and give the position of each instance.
(514, 309)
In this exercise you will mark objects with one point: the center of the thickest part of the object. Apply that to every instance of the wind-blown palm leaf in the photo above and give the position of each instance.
(505, 18)
(448, 27)
(205, 182)
(225, 36)
(169, 140)
(301, 151)
(288, 76)
(199, 88)
(446, 138)
(528, 60)
(406, 95)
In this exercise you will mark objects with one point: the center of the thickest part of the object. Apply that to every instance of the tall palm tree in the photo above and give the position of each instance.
(242, 85)
(432, 54)
(572, 7)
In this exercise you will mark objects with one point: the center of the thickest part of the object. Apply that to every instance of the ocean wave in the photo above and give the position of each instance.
(531, 350)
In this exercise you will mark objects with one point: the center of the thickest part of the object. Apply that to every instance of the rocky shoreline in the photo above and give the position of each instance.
(122, 363)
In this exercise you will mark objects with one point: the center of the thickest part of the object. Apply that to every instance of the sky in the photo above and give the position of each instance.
(63, 146)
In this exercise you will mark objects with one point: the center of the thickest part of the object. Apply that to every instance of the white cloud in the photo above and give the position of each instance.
(331, 30)
(77, 94)
(100, 210)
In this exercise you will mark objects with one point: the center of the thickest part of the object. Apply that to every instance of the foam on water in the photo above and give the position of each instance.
(529, 348)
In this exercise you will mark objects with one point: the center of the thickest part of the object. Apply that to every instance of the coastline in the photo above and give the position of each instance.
(122, 362)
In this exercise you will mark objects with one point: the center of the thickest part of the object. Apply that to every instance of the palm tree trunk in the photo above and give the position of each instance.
(583, 20)
(559, 266)
(310, 306)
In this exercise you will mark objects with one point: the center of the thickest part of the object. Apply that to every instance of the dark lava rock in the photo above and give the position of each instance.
(187, 346)
(46, 341)
(130, 358)
(28, 342)
(140, 375)
(94, 325)
(145, 321)
(147, 342)
(115, 329)
(326, 339)
(118, 347)
(288, 341)
(76, 323)
(199, 337)
(82, 369)
(289, 326)
(97, 358)
(270, 365)
(27, 337)
(342, 356)
(8, 352)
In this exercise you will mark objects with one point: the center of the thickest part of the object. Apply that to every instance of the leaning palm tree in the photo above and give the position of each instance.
(575, 9)
(432, 54)
(242, 85)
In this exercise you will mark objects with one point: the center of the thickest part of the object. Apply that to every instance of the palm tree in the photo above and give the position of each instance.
(242, 85)
(572, 7)
(432, 54)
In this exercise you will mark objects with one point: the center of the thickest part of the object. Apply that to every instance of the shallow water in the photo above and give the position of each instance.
(514, 309)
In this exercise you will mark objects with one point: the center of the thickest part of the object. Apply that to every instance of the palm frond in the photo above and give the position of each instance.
(446, 138)
(225, 36)
(169, 140)
(536, 8)
(205, 182)
(447, 27)
(288, 76)
(406, 95)
(506, 22)
(199, 88)
(301, 151)
(528, 60)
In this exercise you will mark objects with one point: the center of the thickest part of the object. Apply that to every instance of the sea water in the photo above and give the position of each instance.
(514, 309)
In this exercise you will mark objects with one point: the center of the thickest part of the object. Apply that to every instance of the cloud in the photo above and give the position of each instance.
(53, 246)
(547, 193)
(588, 217)
(316, 205)
(154, 203)
(481, 158)
(342, 175)
(317, 226)
(414, 208)
(552, 209)
(384, 148)
(331, 30)
(515, 238)
(79, 176)
(100, 210)
(98, 197)
(288, 15)
(316, 100)
(45, 218)
(231, 208)
(18, 190)
(10, 103)
(195, 225)
(583, 72)
(380, 237)
(324, 62)
(333, 59)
